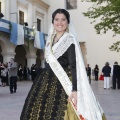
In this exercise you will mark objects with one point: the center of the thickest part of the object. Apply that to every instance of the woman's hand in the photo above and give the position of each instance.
(73, 98)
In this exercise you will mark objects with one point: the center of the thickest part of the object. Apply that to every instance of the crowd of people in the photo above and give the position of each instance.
(111, 75)
(94, 72)
(10, 73)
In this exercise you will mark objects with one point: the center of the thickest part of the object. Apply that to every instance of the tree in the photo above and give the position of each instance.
(108, 13)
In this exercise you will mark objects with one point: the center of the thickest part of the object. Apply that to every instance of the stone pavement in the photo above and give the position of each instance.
(11, 104)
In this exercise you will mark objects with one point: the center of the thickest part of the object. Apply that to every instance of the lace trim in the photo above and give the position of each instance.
(61, 47)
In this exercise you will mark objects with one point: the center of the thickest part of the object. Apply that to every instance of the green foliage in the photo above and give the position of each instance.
(107, 12)
(115, 46)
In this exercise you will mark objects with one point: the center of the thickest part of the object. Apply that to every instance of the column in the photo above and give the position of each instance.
(7, 11)
(31, 59)
(13, 11)
(7, 56)
(34, 14)
(42, 63)
(30, 10)
(3, 8)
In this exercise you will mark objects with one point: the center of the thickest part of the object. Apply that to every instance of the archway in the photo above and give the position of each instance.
(20, 56)
(1, 57)
(38, 60)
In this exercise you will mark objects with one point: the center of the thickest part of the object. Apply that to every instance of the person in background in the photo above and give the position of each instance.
(13, 75)
(0, 70)
(7, 80)
(106, 72)
(93, 75)
(28, 74)
(88, 70)
(33, 72)
(25, 72)
(116, 75)
(96, 71)
(4, 75)
(20, 72)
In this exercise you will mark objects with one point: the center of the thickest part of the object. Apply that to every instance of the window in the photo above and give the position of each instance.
(0, 7)
(71, 4)
(38, 24)
(21, 18)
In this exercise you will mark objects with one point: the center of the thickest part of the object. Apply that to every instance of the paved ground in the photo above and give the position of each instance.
(11, 104)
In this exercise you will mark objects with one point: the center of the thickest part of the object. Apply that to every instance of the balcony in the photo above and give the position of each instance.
(23, 32)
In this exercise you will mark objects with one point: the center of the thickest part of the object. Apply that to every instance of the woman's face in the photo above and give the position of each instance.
(60, 22)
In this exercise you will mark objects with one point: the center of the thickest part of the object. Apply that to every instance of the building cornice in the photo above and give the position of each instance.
(40, 4)
(39, 14)
(23, 5)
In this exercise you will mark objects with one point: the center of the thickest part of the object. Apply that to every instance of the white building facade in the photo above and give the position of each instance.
(35, 13)
(95, 48)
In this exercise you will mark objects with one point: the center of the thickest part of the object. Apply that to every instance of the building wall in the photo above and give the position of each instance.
(97, 46)
(32, 9)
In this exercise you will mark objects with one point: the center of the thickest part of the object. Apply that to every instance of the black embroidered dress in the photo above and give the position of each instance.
(47, 99)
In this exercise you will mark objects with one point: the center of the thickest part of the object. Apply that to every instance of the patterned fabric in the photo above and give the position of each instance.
(47, 100)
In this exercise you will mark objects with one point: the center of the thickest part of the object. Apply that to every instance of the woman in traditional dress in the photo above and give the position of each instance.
(62, 91)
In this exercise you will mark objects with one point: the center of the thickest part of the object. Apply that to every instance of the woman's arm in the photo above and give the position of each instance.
(72, 63)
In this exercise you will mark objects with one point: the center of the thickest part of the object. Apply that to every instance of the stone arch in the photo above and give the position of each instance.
(20, 56)
(3, 48)
(1, 57)
(40, 57)
(38, 60)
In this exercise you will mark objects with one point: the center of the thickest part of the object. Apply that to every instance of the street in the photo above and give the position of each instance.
(11, 104)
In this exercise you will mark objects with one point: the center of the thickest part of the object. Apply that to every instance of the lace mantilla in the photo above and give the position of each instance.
(61, 46)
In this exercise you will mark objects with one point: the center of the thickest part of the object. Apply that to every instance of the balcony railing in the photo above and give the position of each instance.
(4, 26)
(28, 33)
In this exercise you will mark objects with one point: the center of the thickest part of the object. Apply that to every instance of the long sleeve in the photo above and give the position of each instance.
(72, 63)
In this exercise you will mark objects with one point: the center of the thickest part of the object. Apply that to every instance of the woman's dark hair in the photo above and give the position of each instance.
(62, 11)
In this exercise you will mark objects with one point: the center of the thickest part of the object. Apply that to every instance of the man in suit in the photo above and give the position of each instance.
(88, 70)
(116, 75)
